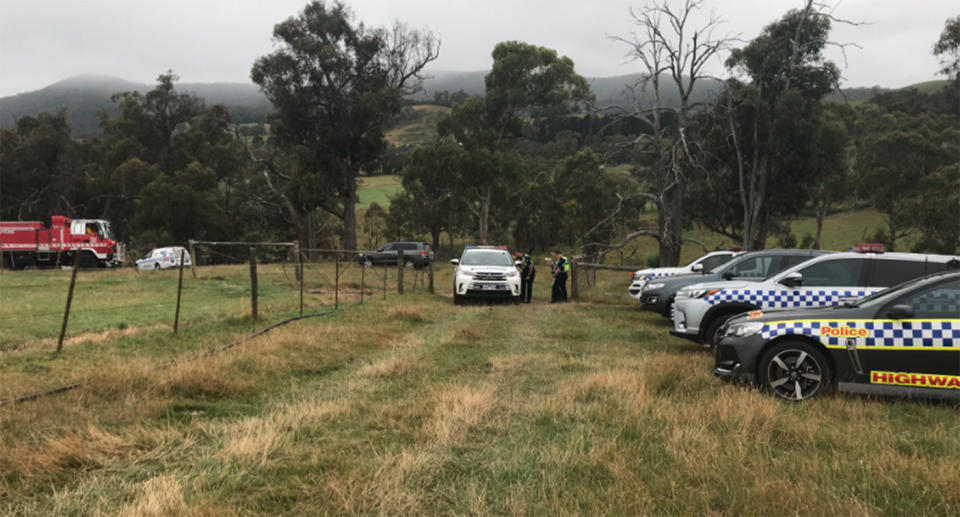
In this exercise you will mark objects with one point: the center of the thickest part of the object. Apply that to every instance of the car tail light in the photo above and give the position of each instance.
(632, 273)
(423, 253)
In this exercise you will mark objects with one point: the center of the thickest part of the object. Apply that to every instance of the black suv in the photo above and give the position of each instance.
(658, 294)
(415, 254)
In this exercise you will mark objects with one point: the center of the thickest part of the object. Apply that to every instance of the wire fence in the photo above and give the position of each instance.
(601, 283)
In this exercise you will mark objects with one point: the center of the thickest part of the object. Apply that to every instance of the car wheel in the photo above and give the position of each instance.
(409, 264)
(368, 263)
(457, 299)
(712, 337)
(156, 267)
(795, 370)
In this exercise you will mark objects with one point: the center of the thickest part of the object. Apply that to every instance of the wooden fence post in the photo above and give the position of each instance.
(66, 311)
(300, 271)
(336, 284)
(574, 290)
(176, 316)
(399, 271)
(363, 286)
(193, 259)
(384, 281)
(430, 275)
(253, 282)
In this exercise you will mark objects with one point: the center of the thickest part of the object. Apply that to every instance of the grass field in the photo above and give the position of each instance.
(411, 406)
(378, 189)
(422, 129)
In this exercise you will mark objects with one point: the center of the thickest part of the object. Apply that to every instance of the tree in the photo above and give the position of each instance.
(666, 46)
(41, 169)
(335, 83)
(790, 76)
(524, 77)
(947, 48)
(429, 189)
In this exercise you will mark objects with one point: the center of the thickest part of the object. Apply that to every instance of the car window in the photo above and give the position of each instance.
(888, 273)
(788, 261)
(486, 258)
(939, 301)
(753, 267)
(408, 246)
(389, 246)
(710, 263)
(833, 273)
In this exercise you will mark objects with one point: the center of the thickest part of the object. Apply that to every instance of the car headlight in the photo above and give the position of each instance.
(513, 274)
(697, 293)
(743, 329)
(650, 287)
(464, 272)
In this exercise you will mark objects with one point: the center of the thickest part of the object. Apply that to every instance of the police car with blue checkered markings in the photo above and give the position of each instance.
(701, 310)
(899, 341)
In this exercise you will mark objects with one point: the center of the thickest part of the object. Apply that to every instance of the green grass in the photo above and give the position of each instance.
(414, 406)
(378, 189)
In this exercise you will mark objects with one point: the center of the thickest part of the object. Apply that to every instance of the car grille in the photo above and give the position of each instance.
(490, 277)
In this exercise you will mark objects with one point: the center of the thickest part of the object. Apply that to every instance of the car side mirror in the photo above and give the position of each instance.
(900, 311)
(455, 262)
(792, 280)
(517, 263)
(727, 275)
(696, 268)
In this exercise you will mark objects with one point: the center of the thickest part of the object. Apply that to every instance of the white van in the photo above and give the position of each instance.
(164, 258)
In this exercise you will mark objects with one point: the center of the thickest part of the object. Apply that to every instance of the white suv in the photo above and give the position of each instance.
(485, 272)
(700, 310)
(704, 264)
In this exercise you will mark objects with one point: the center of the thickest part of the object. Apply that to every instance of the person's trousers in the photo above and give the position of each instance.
(526, 287)
(559, 293)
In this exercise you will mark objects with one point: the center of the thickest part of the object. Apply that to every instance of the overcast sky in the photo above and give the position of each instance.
(43, 41)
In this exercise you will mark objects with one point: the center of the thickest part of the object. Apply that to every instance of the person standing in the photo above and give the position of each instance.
(561, 267)
(527, 273)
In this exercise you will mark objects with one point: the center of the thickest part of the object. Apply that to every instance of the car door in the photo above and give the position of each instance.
(387, 254)
(827, 283)
(915, 339)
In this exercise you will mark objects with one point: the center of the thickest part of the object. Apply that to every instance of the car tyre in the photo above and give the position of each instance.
(795, 371)
(457, 299)
(368, 263)
(156, 267)
(712, 337)
(409, 264)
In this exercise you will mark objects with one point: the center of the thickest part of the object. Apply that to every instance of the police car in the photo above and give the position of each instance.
(701, 310)
(485, 272)
(703, 264)
(658, 294)
(900, 341)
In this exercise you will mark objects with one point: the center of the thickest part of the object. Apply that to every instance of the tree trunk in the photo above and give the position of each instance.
(349, 241)
(308, 239)
(435, 239)
(670, 226)
(892, 236)
(821, 215)
(485, 214)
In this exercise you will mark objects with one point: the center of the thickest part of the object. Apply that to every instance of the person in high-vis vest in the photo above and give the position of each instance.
(527, 273)
(561, 267)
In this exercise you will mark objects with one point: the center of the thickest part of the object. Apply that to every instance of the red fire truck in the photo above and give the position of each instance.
(65, 241)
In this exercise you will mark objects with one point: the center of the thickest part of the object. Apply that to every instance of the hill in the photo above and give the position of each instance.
(85, 96)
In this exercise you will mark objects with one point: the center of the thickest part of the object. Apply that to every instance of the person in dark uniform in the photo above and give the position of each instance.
(561, 266)
(527, 273)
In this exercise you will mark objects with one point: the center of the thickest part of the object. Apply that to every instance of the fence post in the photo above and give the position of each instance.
(176, 316)
(296, 251)
(399, 271)
(300, 271)
(336, 284)
(363, 285)
(430, 276)
(66, 311)
(384, 281)
(574, 289)
(193, 260)
(253, 282)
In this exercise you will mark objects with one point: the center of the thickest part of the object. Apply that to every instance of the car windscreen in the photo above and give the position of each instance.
(881, 297)
(486, 258)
